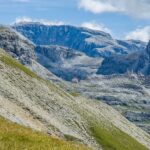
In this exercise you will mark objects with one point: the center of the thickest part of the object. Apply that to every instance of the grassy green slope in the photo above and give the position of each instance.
(16, 137)
(114, 139)
(109, 136)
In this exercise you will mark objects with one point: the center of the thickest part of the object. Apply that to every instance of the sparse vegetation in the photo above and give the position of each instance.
(114, 139)
(13, 63)
(109, 136)
(16, 137)
(74, 94)
(70, 138)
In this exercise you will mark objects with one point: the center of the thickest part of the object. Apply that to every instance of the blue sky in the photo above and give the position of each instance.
(122, 18)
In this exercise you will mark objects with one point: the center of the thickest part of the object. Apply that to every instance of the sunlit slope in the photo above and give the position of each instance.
(16, 137)
(29, 100)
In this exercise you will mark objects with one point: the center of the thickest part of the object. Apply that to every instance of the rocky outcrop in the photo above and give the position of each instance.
(16, 45)
(93, 43)
(23, 50)
(56, 54)
(137, 62)
(66, 63)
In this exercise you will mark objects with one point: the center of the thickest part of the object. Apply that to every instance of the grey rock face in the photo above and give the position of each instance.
(137, 62)
(137, 116)
(65, 62)
(132, 45)
(16, 45)
(57, 54)
(92, 43)
(23, 50)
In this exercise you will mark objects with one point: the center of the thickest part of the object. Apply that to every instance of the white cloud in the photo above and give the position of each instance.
(96, 6)
(142, 34)
(134, 8)
(43, 21)
(95, 26)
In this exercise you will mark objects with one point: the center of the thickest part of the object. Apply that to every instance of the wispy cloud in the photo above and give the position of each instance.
(96, 6)
(43, 21)
(93, 25)
(134, 8)
(142, 34)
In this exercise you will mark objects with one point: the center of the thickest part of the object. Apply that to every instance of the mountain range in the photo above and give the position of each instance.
(90, 47)
(37, 63)
(93, 43)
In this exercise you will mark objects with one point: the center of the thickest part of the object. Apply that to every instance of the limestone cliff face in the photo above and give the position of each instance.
(16, 45)
(66, 62)
(93, 43)
(137, 62)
